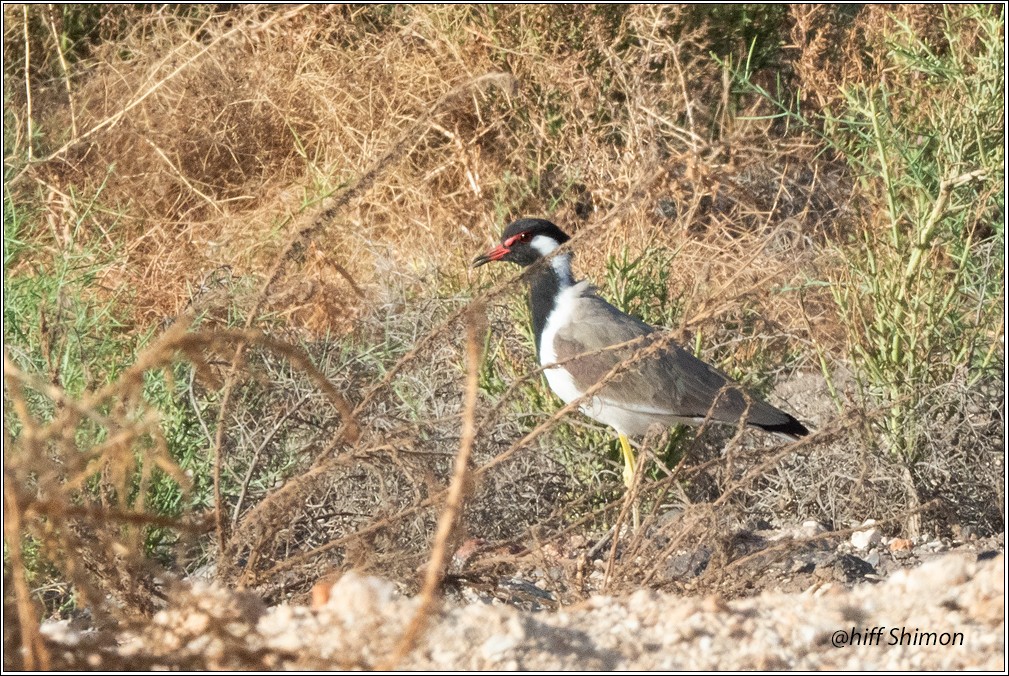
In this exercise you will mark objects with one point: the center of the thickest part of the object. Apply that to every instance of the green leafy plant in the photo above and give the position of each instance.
(58, 328)
(919, 287)
(918, 291)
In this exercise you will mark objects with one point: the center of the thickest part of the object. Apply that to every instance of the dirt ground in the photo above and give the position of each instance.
(948, 613)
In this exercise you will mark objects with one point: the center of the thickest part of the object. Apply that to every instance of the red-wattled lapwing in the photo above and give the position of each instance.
(572, 325)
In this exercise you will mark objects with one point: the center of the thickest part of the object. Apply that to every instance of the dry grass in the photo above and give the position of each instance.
(321, 177)
(234, 137)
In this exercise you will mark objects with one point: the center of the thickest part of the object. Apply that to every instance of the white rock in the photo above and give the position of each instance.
(811, 528)
(863, 539)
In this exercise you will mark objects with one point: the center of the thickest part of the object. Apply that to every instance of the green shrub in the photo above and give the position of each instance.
(59, 327)
(922, 287)
(919, 288)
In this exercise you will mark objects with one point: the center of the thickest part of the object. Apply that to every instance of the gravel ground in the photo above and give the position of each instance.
(951, 611)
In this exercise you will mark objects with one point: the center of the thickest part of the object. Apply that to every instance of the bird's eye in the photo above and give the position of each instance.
(521, 238)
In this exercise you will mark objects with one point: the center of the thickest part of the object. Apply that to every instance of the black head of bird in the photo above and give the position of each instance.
(524, 242)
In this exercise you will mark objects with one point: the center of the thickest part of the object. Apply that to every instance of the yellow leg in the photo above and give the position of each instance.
(630, 467)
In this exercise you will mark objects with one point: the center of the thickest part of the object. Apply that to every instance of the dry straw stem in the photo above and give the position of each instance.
(637, 546)
(28, 85)
(731, 447)
(767, 459)
(253, 464)
(55, 539)
(63, 66)
(195, 524)
(627, 505)
(35, 654)
(449, 519)
(699, 519)
(298, 358)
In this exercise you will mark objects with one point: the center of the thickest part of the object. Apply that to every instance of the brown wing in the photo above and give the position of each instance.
(669, 382)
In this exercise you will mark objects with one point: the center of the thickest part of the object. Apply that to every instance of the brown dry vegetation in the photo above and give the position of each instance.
(320, 177)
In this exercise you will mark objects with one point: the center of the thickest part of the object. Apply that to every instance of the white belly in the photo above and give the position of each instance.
(629, 420)
(624, 421)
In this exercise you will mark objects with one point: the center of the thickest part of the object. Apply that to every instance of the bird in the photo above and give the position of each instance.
(573, 327)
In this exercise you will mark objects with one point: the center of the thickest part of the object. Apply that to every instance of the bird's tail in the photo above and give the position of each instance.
(791, 428)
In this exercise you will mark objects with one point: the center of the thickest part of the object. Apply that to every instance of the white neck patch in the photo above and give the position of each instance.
(561, 263)
(544, 245)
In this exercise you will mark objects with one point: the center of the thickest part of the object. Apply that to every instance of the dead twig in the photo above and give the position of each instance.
(434, 571)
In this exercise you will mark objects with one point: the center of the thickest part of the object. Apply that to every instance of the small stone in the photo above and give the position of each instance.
(811, 528)
(799, 566)
(714, 604)
(900, 545)
(863, 539)
(963, 533)
(641, 600)
(686, 566)
(873, 558)
(823, 572)
(498, 645)
(320, 594)
(195, 623)
(849, 568)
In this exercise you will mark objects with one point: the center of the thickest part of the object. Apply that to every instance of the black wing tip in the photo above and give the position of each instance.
(792, 428)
